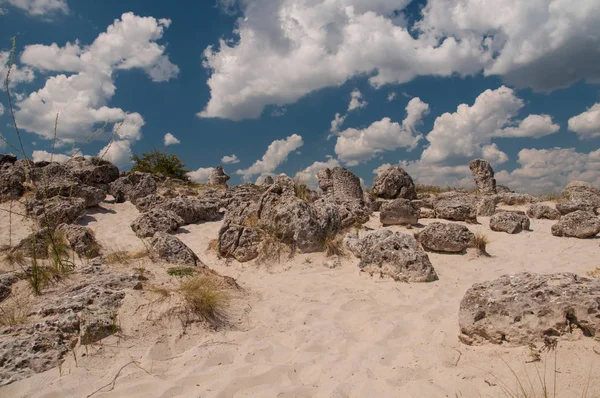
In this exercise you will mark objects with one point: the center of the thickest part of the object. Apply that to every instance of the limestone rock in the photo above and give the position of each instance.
(57, 210)
(97, 325)
(156, 220)
(340, 183)
(526, 308)
(93, 171)
(268, 180)
(80, 239)
(399, 212)
(511, 222)
(483, 175)
(218, 177)
(394, 183)
(6, 281)
(446, 238)
(512, 198)
(239, 242)
(132, 187)
(191, 210)
(11, 182)
(7, 159)
(486, 207)
(539, 211)
(171, 249)
(456, 206)
(578, 224)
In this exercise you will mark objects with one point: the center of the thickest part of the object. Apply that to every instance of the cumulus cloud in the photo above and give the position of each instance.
(201, 175)
(170, 139)
(356, 101)
(391, 96)
(309, 175)
(18, 74)
(548, 170)
(261, 178)
(587, 124)
(354, 146)
(230, 159)
(276, 153)
(118, 152)
(39, 7)
(38, 156)
(337, 122)
(442, 175)
(468, 132)
(1, 109)
(284, 49)
(81, 94)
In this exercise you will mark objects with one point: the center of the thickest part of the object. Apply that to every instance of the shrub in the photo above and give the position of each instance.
(480, 243)
(156, 162)
(205, 298)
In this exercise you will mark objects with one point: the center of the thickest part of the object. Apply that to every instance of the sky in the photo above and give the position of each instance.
(264, 87)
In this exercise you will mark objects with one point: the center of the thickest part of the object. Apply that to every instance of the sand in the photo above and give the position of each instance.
(304, 330)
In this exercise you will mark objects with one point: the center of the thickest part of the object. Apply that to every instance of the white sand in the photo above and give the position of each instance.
(303, 330)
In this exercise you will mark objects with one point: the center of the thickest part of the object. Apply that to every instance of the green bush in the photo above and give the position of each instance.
(159, 162)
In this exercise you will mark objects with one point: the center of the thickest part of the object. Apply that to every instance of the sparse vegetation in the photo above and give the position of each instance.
(159, 162)
(271, 250)
(480, 243)
(181, 271)
(14, 312)
(334, 245)
(124, 257)
(251, 222)
(301, 189)
(595, 273)
(205, 299)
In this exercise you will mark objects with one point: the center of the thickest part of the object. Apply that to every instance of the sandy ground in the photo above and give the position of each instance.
(303, 330)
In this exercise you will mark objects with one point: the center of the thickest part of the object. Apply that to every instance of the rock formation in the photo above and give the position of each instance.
(394, 183)
(484, 176)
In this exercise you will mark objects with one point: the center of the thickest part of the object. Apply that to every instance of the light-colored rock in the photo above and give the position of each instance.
(394, 183)
(483, 175)
(239, 242)
(578, 224)
(171, 249)
(456, 206)
(540, 211)
(132, 187)
(399, 212)
(511, 222)
(446, 238)
(218, 177)
(93, 171)
(486, 207)
(340, 183)
(526, 308)
(511, 198)
(191, 210)
(156, 220)
(80, 239)
(57, 210)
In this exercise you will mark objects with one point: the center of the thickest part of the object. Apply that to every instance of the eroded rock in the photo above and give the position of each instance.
(511, 222)
(540, 211)
(446, 238)
(394, 183)
(578, 224)
(171, 249)
(399, 212)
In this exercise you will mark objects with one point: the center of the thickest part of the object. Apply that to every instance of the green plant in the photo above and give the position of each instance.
(205, 299)
(181, 271)
(480, 243)
(156, 162)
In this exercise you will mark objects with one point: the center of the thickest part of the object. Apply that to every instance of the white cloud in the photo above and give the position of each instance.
(170, 139)
(391, 96)
(18, 74)
(356, 100)
(549, 170)
(276, 153)
(38, 156)
(261, 178)
(1, 109)
(587, 124)
(230, 159)
(3, 11)
(201, 175)
(493, 154)
(442, 175)
(337, 122)
(39, 7)
(465, 133)
(354, 146)
(309, 175)
(81, 96)
(117, 152)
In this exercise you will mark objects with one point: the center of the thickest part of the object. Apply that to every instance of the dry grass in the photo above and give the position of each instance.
(124, 257)
(206, 300)
(251, 222)
(271, 251)
(334, 246)
(181, 271)
(480, 243)
(301, 189)
(595, 273)
(14, 311)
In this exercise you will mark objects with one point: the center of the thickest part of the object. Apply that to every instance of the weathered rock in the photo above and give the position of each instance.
(171, 249)
(340, 183)
(218, 177)
(156, 220)
(351, 212)
(512, 198)
(132, 187)
(191, 210)
(566, 206)
(393, 254)
(57, 210)
(80, 239)
(7, 159)
(456, 206)
(239, 242)
(427, 213)
(483, 175)
(148, 202)
(93, 171)
(503, 189)
(446, 238)
(268, 180)
(511, 222)
(394, 183)
(539, 211)
(6, 281)
(526, 308)
(35, 244)
(580, 190)
(11, 182)
(97, 325)
(399, 212)
(578, 224)
(486, 207)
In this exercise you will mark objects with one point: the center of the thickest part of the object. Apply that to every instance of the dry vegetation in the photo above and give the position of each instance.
(206, 299)
(480, 243)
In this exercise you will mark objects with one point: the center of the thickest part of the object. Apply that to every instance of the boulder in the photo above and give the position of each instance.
(156, 220)
(93, 171)
(340, 183)
(239, 242)
(511, 222)
(11, 182)
(486, 207)
(35, 244)
(268, 180)
(512, 198)
(526, 308)
(172, 250)
(394, 183)
(7, 159)
(393, 254)
(57, 210)
(578, 224)
(539, 211)
(399, 212)
(132, 187)
(218, 177)
(582, 191)
(456, 206)
(191, 210)
(148, 202)
(6, 281)
(351, 212)
(503, 189)
(81, 240)
(484, 176)
(446, 238)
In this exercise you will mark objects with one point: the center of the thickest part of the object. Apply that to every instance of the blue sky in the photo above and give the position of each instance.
(428, 85)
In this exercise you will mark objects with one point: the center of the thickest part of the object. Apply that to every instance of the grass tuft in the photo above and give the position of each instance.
(301, 189)
(334, 246)
(480, 243)
(205, 299)
(181, 271)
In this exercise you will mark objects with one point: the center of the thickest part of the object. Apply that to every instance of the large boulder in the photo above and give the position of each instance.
(456, 206)
(512, 199)
(191, 210)
(446, 238)
(540, 211)
(486, 207)
(394, 183)
(49, 213)
(156, 220)
(399, 212)
(340, 183)
(93, 171)
(132, 187)
(218, 177)
(578, 224)
(170, 249)
(579, 195)
(483, 175)
(81, 240)
(392, 254)
(526, 308)
(240, 242)
(511, 222)
(11, 181)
